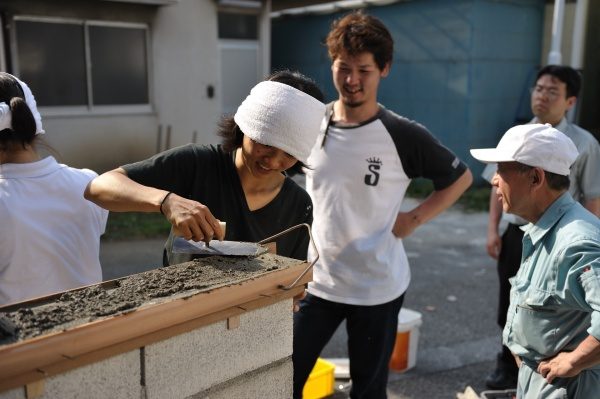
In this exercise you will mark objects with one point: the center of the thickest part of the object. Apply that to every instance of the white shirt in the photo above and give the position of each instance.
(49, 233)
(357, 182)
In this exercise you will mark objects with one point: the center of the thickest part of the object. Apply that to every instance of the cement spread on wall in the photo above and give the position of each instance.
(124, 295)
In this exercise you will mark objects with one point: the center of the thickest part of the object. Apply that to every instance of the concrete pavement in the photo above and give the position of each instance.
(454, 287)
(122, 258)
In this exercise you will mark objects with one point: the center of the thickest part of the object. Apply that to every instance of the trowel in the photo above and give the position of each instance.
(241, 248)
(216, 247)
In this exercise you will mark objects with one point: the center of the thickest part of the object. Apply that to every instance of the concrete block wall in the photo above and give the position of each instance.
(266, 383)
(190, 363)
(249, 360)
(116, 377)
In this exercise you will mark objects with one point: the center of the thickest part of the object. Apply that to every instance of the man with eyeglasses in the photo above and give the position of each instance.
(554, 94)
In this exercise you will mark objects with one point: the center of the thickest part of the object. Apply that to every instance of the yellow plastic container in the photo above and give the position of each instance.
(320, 381)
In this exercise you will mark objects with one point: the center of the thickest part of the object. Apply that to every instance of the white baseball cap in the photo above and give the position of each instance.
(537, 145)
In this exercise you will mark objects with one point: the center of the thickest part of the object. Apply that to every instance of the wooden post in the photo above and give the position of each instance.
(233, 322)
(168, 138)
(159, 139)
(34, 389)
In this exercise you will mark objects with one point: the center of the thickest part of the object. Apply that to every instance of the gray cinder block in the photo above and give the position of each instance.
(190, 363)
(273, 381)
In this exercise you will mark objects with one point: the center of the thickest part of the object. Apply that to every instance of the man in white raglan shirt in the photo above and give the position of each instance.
(357, 176)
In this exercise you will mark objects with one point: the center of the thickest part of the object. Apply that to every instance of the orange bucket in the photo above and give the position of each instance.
(404, 355)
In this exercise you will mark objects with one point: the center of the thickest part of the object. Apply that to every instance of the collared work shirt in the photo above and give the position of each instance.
(555, 297)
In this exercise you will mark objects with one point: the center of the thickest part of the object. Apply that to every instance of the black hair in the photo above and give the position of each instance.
(23, 129)
(297, 81)
(231, 134)
(555, 181)
(566, 74)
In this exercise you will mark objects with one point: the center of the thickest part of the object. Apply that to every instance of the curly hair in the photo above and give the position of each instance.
(357, 33)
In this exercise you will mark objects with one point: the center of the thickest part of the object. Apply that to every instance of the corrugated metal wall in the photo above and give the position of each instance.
(461, 67)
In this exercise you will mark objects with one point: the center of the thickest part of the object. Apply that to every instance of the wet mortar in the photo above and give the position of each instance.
(124, 295)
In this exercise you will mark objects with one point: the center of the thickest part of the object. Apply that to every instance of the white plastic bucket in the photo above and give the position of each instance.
(404, 355)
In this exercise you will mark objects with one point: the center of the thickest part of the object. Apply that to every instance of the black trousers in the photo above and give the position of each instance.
(509, 261)
(371, 338)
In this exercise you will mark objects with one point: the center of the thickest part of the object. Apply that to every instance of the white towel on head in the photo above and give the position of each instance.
(5, 117)
(30, 100)
(281, 116)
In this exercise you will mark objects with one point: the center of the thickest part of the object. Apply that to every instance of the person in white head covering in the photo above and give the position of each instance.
(242, 182)
(49, 235)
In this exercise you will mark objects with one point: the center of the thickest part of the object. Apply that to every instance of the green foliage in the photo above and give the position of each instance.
(135, 225)
(419, 188)
(475, 199)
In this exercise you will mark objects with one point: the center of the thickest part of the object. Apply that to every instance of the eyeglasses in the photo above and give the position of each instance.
(550, 92)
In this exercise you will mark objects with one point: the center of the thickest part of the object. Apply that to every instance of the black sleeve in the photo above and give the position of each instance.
(421, 154)
(172, 170)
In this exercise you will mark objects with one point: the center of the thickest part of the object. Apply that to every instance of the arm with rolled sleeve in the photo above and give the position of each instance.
(585, 285)
(494, 241)
(589, 179)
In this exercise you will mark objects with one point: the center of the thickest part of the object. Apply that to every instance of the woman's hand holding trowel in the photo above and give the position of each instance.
(191, 219)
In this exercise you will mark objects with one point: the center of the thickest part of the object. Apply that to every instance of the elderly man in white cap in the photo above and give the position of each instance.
(242, 182)
(553, 321)
(555, 92)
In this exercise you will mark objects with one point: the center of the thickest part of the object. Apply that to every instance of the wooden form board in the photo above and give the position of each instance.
(37, 358)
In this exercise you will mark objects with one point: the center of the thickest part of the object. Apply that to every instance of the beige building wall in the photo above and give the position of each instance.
(186, 62)
(567, 37)
(183, 64)
(589, 98)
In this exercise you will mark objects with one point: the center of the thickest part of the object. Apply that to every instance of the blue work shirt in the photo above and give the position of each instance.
(555, 297)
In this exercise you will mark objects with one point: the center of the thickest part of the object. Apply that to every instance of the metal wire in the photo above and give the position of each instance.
(273, 237)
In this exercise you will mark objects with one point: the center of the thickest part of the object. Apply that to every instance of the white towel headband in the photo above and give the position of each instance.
(6, 115)
(281, 116)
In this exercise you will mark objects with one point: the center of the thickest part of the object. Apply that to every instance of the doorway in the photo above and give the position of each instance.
(239, 50)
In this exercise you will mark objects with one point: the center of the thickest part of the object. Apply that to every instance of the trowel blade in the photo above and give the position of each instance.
(216, 247)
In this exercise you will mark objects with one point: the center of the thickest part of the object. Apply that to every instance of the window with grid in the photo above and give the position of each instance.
(81, 63)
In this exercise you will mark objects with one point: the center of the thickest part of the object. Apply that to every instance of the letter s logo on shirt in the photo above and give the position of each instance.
(374, 165)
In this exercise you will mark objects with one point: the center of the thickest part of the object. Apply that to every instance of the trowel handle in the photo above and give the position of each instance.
(284, 232)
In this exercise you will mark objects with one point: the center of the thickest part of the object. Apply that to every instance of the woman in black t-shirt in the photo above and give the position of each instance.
(242, 182)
